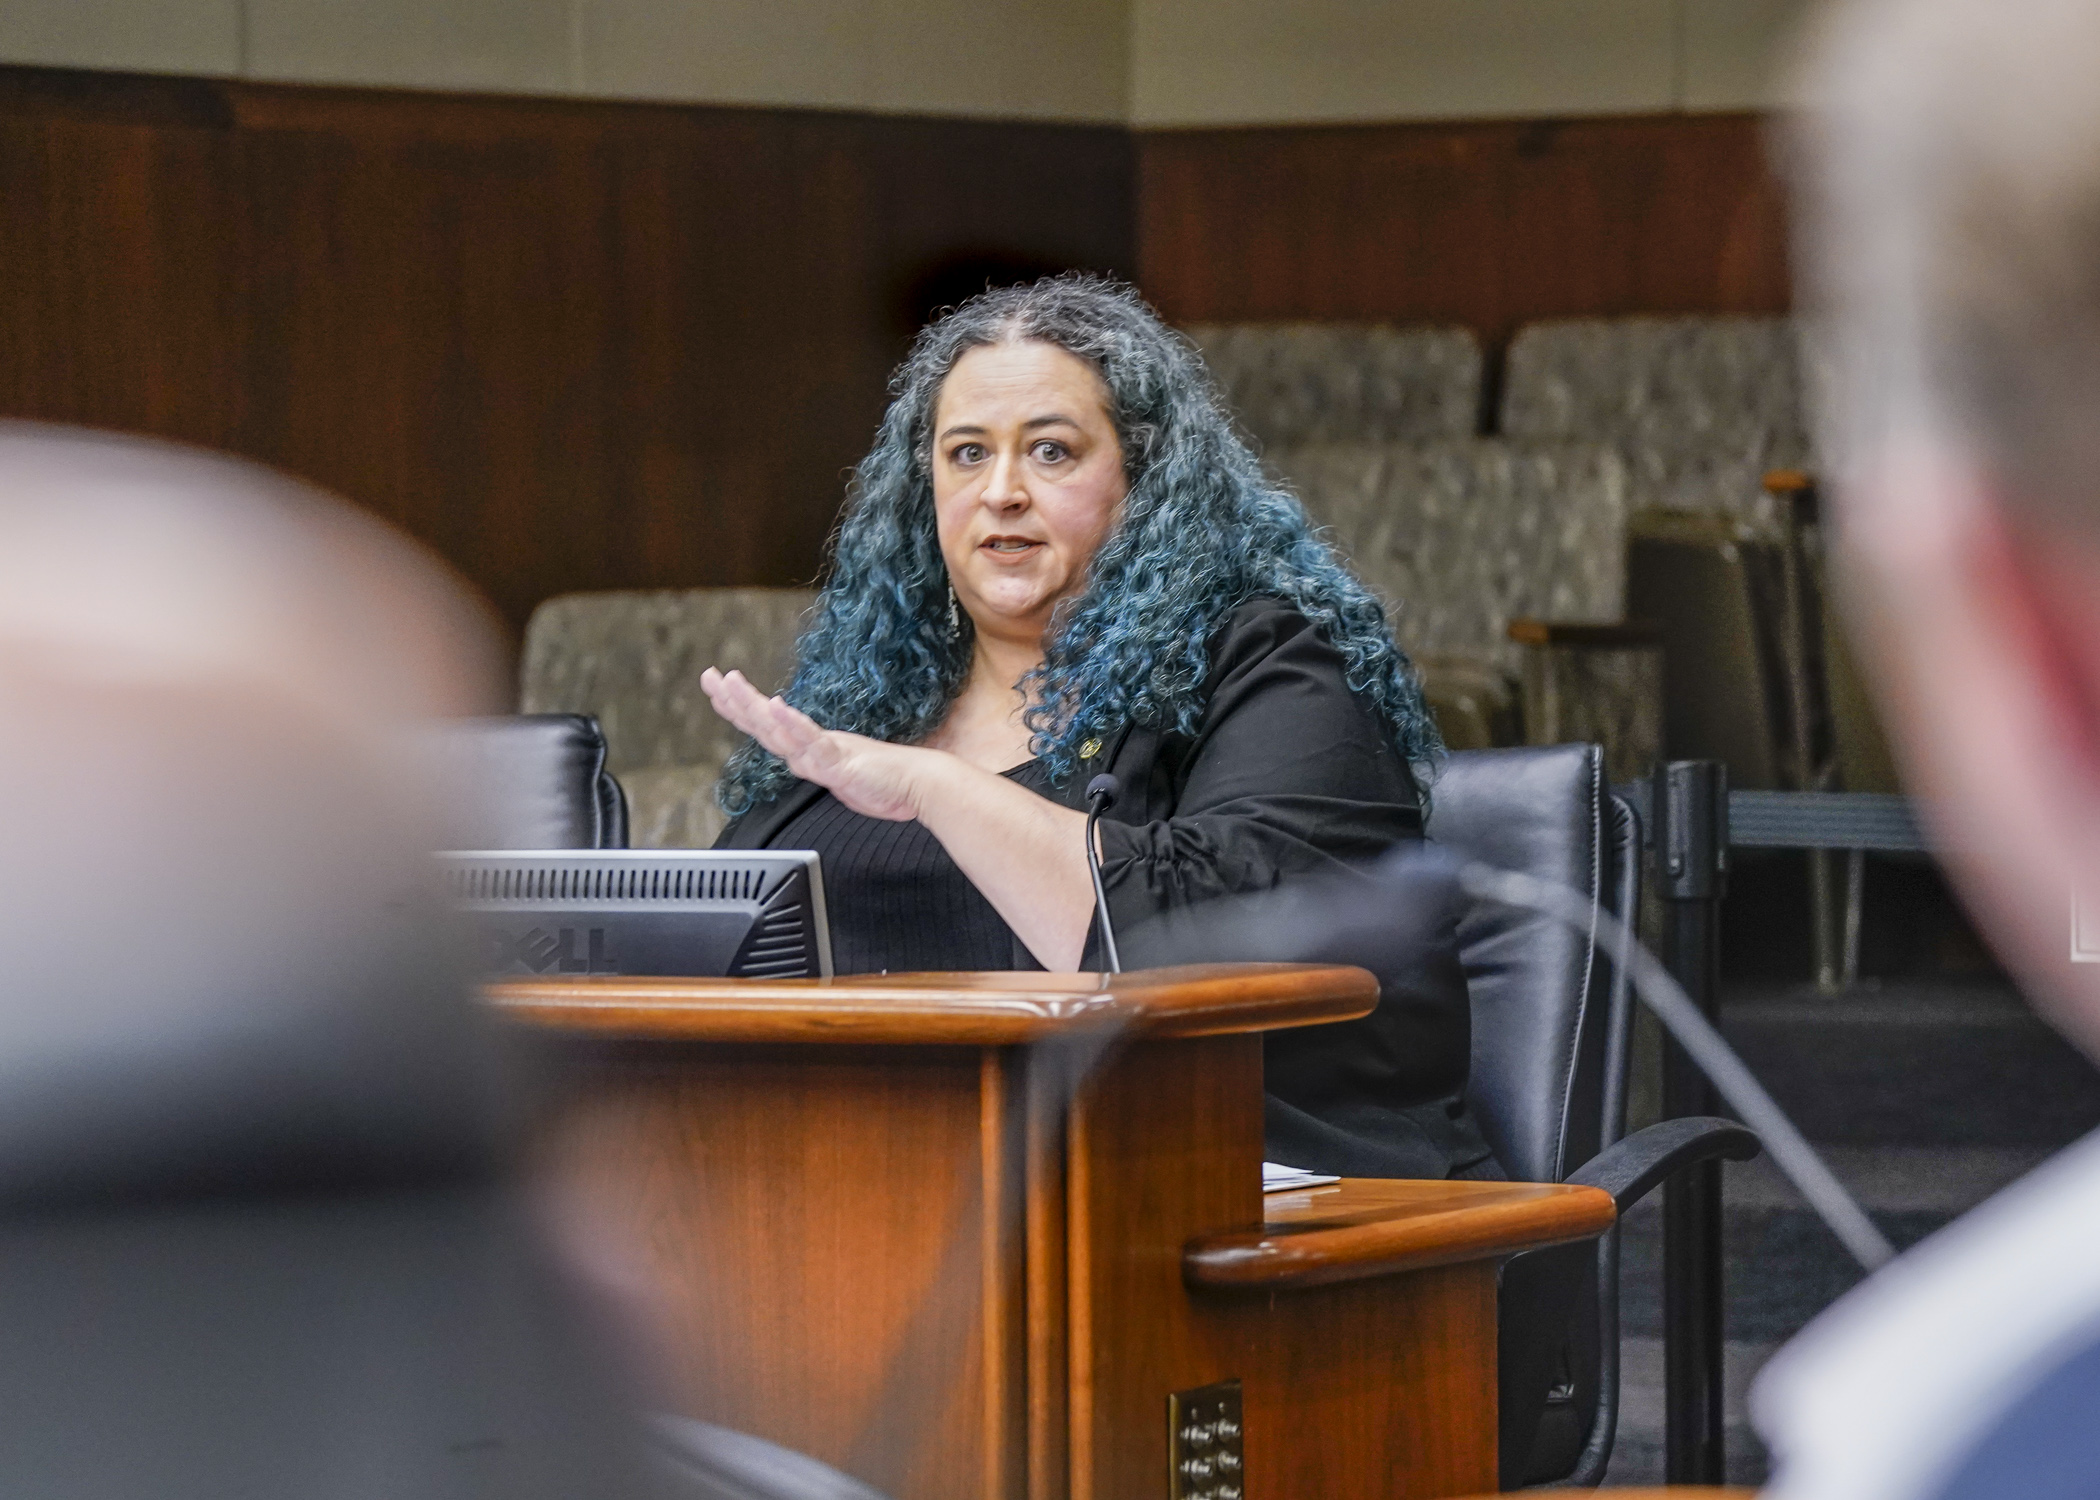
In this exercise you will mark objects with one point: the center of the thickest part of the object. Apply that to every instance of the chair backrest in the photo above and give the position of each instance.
(1865, 762)
(1715, 586)
(535, 781)
(1546, 1030)
(633, 661)
(1701, 407)
(1291, 383)
(1460, 536)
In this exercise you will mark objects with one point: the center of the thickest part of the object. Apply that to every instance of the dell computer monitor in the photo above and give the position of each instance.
(559, 913)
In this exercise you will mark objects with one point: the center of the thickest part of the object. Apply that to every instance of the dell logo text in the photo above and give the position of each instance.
(538, 951)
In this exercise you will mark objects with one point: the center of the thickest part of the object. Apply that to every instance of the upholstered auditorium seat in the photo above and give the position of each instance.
(634, 661)
(1291, 383)
(1462, 537)
(1467, 534)
(1700, 408)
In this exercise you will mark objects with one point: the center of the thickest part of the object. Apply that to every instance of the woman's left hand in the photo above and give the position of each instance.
(875, 779)
(1024, 852)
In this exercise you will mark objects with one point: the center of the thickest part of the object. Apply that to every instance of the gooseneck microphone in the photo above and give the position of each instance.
(1100, 797)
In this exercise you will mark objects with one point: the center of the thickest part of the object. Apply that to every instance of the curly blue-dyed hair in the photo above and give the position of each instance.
(1201, 531)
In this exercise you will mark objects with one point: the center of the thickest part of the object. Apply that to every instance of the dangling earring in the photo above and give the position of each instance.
(954, 613)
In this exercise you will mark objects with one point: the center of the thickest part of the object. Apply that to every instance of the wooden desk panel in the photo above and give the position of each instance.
(830, 1238)
(1382, 1389)
(1370, 1390)
(957, 1266)
(1165, 1143)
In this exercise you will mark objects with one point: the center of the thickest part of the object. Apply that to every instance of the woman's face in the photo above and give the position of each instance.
(1027, 478)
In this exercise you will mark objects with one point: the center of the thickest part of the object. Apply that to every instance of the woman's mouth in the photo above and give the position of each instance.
(1008, 546)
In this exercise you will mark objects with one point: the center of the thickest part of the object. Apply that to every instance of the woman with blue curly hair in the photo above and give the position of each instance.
(1059, 559)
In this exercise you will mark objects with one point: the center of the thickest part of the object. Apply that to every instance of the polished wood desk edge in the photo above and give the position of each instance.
(988, 1009)
(1364, 1227)
(1668, 1492)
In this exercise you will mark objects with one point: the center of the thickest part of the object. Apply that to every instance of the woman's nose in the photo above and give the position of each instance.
(1004, 487)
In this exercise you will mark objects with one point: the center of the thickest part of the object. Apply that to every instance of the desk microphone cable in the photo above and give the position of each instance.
(1100, 797)
(1790, 1150)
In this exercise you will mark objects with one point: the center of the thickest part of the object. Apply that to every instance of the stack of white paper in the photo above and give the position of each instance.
(1277, 1178)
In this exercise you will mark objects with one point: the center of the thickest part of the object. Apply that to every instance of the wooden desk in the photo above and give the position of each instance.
(962, 1234)
(1668, 1492)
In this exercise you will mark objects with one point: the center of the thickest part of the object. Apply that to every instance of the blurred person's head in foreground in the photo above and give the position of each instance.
(1948, 167)
(211, 680)
(1948, 176)
(254, 1232)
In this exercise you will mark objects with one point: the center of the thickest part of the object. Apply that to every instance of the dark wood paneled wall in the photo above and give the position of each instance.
(589, 345)
(573, 345)
(1487, 224)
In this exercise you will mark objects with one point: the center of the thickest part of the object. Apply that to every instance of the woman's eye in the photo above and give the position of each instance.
(1049, 452)
(968, 453)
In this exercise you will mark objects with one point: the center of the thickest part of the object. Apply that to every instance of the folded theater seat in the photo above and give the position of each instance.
(1374, 426)
(1294, 383)
(1504, 565)
(1700, 408)
(1725, 553)
(634, 659)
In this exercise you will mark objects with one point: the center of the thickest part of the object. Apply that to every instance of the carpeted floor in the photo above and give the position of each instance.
(1927, 1098)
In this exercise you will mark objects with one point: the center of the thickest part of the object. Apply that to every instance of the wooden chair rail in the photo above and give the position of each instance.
(1364, 1227)
(972, 1010)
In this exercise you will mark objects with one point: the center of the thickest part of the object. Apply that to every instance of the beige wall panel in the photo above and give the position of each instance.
(1248, 62)
(143, 36)
(793, 52)
(1737, 52)
(1017, 59)
(1029, 59)
(503, 46)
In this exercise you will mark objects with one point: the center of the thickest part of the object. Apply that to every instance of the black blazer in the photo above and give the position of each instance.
(1289, 776)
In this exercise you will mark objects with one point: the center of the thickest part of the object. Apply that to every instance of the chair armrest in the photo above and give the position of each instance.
(1594, 635)
(1594, 680)
(1630, 1169)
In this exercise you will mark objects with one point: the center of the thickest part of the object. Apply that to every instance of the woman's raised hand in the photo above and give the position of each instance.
(875, 779)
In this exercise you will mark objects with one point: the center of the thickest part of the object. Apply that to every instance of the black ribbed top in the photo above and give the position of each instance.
(895, 898)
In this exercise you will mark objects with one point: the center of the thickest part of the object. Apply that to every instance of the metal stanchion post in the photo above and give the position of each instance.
(1691, 869)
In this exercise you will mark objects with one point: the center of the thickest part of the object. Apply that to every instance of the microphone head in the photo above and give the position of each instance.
(1103, 787)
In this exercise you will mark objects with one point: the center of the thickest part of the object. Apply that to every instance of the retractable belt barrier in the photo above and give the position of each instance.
(1873, 821)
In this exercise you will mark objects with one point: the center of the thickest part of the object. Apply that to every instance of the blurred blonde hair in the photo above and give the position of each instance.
(1947, 167)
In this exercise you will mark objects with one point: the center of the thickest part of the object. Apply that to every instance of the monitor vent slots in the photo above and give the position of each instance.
(604, 883)
(777, 950)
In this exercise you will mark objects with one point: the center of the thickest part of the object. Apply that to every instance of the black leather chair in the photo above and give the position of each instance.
(1552, 1020)
(537, 781)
